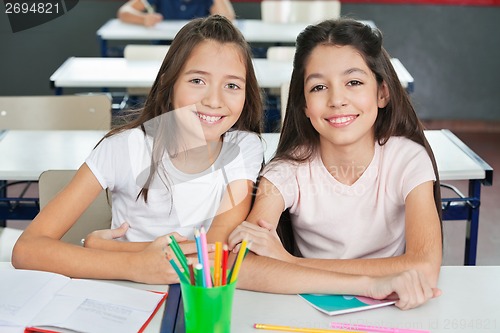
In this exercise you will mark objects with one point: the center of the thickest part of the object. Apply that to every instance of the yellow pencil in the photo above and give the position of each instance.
(239, 259)
(217, 263)
(296, 329)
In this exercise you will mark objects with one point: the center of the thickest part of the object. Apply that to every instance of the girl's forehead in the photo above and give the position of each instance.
(331, 55)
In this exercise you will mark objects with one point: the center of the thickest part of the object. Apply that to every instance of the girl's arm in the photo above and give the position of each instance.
(423, 237)
(224, 8)
(423, 243)
(233, 210)
(40, 247)
(134, 11)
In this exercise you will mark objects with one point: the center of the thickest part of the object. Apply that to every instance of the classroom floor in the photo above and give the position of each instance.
(485, 144)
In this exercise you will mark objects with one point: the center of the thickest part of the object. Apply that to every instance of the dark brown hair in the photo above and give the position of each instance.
(159, 101)
(398, 118)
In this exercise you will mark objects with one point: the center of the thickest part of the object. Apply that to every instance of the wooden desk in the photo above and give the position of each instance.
(254, 31)
(455, 161)
(79, 72)
(468, 304)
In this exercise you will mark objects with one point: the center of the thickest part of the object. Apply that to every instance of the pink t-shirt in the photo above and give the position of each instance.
(363, 220)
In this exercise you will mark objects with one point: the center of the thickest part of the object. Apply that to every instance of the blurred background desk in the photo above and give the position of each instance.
(254, 31)
(79, 72)
(24, 155)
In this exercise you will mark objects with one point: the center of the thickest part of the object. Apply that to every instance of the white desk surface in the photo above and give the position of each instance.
(24, 155)
(453, 163)
(82, 72)
(254, 31)
(469, 303)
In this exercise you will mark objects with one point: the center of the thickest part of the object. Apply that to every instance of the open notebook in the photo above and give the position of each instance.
(338, 304)
(46, 302)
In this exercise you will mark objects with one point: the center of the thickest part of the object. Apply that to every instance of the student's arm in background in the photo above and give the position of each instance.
(423, 237)
(40, 247)
(134, 11)
(224, 8)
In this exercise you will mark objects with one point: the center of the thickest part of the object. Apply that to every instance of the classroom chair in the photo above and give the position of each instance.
(75, 112)
(295, 11)
(143, 52)
(97, 216)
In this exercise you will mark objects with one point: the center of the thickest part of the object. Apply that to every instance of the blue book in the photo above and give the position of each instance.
(338, 304)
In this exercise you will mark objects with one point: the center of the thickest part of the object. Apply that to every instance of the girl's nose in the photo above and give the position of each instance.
(212, 98)
(337, 97)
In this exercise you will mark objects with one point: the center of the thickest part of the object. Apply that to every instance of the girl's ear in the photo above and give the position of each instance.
(383, 95)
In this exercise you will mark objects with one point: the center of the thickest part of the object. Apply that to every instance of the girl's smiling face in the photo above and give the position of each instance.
(209, 93)
(342, 95)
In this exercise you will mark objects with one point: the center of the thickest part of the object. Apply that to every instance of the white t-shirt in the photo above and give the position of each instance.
(121, 164)
(364, 220)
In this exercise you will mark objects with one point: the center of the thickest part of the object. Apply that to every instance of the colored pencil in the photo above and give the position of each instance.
(199, 250)
(206, 262)
(225, 254)
(198, 272)
(176, 268)
(217, 263)
(178, 253)
(237, 262)
(191, 272)
(377, 329)
(297, 329)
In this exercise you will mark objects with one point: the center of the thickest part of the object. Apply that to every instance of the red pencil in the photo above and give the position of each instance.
(225, 253)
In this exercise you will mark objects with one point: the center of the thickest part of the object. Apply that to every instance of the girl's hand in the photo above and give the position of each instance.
(151, 264)
(410, 289)
(264, 238)
(106, 234)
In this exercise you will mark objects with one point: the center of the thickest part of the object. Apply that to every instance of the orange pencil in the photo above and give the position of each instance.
(217, 263)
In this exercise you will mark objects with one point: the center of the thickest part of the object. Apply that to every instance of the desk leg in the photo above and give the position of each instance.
(472, 224)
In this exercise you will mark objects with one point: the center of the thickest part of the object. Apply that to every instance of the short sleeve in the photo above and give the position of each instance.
(417, 168)
(283, 176)
(243, 156)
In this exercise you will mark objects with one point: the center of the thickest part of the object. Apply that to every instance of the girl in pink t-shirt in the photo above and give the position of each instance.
(353, 168)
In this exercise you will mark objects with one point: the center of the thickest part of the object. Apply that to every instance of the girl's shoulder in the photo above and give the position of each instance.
(398, 143)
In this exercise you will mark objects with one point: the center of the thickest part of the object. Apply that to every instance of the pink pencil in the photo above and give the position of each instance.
(378, 329)
(206, 263)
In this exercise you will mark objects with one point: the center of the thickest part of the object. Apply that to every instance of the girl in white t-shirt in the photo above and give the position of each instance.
(352, 168)
(190, 158)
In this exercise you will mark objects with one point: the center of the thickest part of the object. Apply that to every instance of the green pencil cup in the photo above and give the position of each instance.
(208, 309)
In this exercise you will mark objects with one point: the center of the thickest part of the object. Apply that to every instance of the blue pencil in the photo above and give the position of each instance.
(200, 252)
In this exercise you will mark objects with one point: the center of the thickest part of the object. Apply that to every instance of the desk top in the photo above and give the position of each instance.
(454, 159)
(24, 155)
(98, 72)
(254, 31)
(469, 303)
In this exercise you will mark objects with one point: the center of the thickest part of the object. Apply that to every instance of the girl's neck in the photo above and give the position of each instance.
(196, 159)
(347, 163)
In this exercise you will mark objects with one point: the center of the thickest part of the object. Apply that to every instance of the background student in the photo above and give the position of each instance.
(154, 11)
(189, 159)
(354, 169)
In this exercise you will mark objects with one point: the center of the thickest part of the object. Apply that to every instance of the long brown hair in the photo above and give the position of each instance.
(159, 101)
(299, 140)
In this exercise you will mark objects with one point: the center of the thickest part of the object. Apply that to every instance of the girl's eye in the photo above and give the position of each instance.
(196, 81)
(318, 88)
(354, 83)
(233, 86)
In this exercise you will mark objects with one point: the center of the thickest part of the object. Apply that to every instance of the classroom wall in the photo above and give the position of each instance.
(452, 52)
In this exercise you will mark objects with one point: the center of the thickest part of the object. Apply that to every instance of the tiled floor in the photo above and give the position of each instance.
(485, 144)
